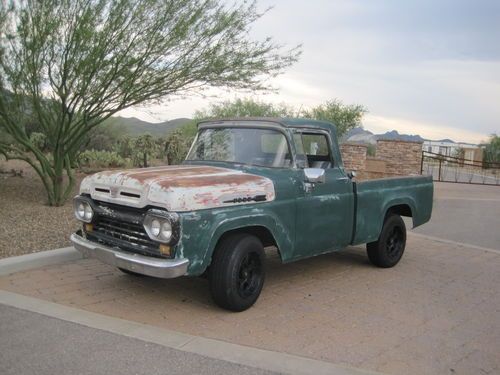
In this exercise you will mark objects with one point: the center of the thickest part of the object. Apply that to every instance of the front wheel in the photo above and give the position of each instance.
(237, 272)
(388, 249)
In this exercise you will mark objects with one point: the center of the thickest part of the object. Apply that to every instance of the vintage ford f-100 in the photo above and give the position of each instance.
(246, 184)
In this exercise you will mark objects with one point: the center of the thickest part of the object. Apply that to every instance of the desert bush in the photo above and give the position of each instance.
(177, 146)
(144, 148)
(39, 140)
(101, 159)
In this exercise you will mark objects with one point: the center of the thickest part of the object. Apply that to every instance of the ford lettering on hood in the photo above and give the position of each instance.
(179, 188)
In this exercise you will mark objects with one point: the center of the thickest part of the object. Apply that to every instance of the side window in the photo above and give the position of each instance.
(317, 150)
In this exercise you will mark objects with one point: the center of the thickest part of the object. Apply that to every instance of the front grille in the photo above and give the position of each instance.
(120, 228)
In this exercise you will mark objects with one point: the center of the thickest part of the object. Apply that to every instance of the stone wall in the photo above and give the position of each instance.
(353, 156)
(392, 158)
(401, 158)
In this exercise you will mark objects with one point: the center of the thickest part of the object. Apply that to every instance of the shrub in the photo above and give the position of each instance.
(176, 147)
(101, 159)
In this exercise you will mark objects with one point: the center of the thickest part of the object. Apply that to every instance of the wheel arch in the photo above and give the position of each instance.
(263, 227)
(401, 207)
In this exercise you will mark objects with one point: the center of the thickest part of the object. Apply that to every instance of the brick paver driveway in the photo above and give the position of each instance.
(438, 311)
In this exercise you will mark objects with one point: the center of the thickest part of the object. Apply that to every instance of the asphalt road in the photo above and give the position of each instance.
(31, 343)
(465, 213)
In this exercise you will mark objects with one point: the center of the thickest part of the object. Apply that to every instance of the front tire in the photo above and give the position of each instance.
(387, 251)
(237, 272)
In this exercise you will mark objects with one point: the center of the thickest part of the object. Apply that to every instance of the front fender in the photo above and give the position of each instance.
(202, 230)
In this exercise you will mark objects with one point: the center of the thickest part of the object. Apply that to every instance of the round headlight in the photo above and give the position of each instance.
(155, 227)
(88, 212)
(166, 230)
(80, 211)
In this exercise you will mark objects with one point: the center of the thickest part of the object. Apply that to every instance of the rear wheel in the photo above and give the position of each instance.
(237, 272)
(389, 248)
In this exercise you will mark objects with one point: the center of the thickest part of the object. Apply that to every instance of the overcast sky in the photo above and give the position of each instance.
(420, 67)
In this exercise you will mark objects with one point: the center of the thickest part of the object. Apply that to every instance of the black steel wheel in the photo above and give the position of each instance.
(237, 272)
(389, 248)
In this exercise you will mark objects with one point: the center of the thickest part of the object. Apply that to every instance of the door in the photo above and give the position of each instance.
(324, 219)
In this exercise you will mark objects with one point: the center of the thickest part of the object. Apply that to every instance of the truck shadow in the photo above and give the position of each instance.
(279, 276)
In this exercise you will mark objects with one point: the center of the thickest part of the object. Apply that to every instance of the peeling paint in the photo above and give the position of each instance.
(179, 188)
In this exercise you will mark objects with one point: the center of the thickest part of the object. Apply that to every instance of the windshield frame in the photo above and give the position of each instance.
(245, 125)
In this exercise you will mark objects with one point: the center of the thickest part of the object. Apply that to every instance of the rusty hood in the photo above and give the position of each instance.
(179, 188)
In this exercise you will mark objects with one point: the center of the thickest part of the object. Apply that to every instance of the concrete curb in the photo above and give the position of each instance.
(40, 259)
(221, 350)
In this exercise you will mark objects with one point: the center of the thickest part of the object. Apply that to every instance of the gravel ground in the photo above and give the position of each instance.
(27, 223)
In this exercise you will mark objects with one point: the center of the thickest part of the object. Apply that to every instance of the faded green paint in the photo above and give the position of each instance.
(302, 223)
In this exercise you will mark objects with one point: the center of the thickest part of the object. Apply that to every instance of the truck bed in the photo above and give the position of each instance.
(412, 196)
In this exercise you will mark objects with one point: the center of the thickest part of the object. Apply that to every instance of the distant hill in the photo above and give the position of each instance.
(360, 135)
(134, 127)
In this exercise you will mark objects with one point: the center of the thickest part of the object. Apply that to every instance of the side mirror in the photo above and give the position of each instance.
(314, 175)
(351, 174)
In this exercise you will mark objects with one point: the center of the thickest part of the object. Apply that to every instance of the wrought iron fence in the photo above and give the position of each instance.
(452, 169)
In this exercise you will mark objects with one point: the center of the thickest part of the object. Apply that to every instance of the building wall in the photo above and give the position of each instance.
(354, 156)
(392, 158)
(401, 158)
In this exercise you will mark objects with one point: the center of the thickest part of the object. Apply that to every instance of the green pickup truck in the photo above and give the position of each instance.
(246, 184)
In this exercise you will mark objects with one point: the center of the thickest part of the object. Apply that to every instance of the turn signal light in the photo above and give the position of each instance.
(89, 227)
(165, 250)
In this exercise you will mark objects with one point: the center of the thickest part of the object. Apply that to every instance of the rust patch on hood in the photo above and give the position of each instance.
(179, 188)
(208, 180)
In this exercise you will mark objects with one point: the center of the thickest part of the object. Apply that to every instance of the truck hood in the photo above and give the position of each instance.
(179, 188)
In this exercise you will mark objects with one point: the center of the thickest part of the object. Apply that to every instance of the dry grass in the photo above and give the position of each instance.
(27, 223)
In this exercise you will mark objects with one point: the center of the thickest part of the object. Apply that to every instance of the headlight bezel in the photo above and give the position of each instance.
(88, 211)
(164, 217)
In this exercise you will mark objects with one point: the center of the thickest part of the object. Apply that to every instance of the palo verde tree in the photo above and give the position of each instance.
(68, 65)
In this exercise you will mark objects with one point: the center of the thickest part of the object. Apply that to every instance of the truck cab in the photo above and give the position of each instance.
(246, 184)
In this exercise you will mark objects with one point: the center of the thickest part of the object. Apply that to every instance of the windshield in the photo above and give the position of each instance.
(263, 147)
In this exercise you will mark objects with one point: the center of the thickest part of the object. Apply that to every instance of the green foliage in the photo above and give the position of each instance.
(39, 140)
(177, 146)
(344, 116)
(143, 148)
(492, 150)
(70, 65)
(95, 159)
(103, 137)
(245, 108)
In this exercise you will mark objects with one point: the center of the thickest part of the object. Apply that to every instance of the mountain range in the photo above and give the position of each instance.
(360, 135)
(134, 127)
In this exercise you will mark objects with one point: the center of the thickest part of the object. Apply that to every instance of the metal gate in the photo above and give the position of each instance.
(452, 169)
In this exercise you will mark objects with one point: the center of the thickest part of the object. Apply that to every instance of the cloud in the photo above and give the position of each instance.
(381, 124)
(434, 64)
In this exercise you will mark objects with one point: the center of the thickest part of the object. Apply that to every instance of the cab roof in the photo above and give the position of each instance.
(286, 122)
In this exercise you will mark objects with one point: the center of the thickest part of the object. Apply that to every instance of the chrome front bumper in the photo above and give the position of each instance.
(156, 267)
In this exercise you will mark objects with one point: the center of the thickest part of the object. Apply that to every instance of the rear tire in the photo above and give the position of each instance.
(387, 251)
(237, 272)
